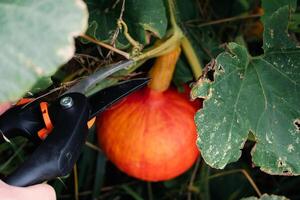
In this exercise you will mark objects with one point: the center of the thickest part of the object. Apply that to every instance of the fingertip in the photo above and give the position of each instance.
(4, 106)
(43, 191)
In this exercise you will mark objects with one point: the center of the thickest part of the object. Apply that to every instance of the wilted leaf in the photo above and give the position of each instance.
(141, 17)
(257, 94)
(266, 197)
(36, 38)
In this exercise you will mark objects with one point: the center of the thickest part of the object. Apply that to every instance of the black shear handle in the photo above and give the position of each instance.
(58, 153)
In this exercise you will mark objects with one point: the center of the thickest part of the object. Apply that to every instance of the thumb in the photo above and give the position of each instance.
(4, 107)
(35, 192)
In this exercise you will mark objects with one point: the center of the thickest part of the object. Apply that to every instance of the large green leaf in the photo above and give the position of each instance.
(257, 94)
(266, 197)
(36, 37)
(140, 16)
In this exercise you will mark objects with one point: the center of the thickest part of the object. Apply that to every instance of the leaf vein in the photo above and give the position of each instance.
(236, 102)
(262, 88)
(282, 73)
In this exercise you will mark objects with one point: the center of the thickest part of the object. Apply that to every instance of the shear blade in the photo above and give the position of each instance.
(106, 97)
(102, 73)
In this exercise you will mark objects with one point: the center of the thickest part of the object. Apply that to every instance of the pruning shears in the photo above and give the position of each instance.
(60, 127)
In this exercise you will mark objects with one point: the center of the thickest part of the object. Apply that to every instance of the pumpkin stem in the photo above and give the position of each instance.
(163, 69)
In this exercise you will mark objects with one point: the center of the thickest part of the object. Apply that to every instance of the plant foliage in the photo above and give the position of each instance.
(254, 94)
(33, 44)
(250, 91)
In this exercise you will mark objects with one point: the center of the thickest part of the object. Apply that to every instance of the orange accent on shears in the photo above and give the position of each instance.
(91, 122)
(44, 132)
(24, 101)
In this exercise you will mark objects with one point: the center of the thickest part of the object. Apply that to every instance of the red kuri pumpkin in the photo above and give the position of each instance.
(151, 134)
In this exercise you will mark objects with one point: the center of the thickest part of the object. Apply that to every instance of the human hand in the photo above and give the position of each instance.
(35, 192)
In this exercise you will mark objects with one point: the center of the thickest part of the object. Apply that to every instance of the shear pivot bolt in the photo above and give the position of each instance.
(66, 102)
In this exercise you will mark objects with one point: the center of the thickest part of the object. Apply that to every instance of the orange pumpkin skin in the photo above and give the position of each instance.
(150, 135)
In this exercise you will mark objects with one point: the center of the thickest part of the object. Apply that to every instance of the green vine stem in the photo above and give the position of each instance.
(174, 37)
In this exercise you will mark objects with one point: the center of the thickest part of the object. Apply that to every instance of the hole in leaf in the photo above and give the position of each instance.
(221, 69)
(210, 75)
(287, 172)
(297, 124)
(209, 70)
